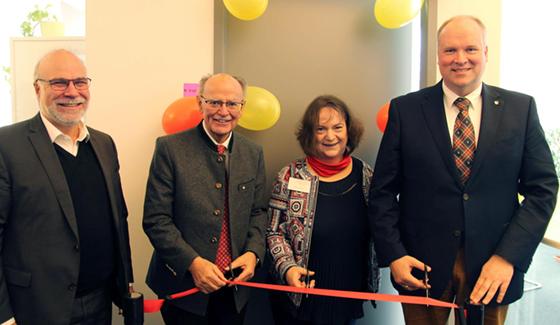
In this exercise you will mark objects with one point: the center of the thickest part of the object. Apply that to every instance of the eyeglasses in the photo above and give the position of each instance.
(217, 104)
(61, 84)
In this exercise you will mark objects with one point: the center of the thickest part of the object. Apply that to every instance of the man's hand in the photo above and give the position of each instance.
(296, 276)
(401, 269)
(206, 275)
(495, 275)
(247, 262)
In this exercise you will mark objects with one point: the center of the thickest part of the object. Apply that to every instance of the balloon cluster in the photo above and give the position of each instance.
(262, 109)
(396, 13)
(246, 9)
(261, 112)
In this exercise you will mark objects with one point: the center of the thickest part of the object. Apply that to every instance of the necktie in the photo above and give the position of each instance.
(464, 144)
(223, 255)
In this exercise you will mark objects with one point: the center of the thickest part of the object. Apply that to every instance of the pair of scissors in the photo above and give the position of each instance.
(307, 282)
(232, 275)
(308, 279)
(426, 282)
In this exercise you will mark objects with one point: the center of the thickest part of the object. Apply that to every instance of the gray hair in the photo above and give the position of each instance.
(203, 80)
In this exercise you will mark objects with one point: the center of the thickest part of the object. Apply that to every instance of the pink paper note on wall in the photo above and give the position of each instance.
(190, 89)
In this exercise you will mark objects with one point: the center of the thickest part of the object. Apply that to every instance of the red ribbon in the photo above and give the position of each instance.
(154, 305)
(151, 306)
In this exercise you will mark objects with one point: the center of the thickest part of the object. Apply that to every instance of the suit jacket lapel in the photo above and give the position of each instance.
(434, 115)
(105, 164)
(492, 107)
(43, 146)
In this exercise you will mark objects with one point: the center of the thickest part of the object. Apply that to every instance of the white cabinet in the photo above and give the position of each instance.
(26, 51)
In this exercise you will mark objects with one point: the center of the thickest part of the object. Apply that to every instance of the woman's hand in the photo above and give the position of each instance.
(296, 276)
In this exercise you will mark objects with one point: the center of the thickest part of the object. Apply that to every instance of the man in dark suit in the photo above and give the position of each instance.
(63, 230)
(444, 194)
(205, 210)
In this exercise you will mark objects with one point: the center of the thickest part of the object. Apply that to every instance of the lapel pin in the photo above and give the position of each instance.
(497, 102)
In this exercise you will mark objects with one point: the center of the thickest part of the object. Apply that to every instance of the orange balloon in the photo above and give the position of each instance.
(181, 115)
(383, 116)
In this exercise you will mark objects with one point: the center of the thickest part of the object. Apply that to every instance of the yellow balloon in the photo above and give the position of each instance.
(246, 9)
(261, 110)
(396, 13)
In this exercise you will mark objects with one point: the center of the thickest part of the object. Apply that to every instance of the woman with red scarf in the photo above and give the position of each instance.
(318, 232)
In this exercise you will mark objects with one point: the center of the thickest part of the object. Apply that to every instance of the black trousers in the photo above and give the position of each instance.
(220, 311)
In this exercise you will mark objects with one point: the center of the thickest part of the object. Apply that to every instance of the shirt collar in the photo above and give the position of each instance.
(225, 143)
(450, 97)
(54, 132)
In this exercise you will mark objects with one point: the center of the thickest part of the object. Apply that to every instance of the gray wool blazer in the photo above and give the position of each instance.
(183, 209)
(39, 242)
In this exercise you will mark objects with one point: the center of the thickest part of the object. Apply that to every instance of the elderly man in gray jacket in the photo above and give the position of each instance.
(205, 210)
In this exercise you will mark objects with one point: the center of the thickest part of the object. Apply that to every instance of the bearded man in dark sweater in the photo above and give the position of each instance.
(64, 243)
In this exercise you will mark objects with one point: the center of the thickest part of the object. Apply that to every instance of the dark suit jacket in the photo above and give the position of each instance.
(184, 205)
(40, 256)
(419, 207)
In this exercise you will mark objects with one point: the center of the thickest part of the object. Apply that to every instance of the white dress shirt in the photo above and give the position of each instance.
(63, 140)
(451, 111)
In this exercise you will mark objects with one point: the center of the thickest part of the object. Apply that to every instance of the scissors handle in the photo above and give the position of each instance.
(232, 274)
(306, 281)
(426, 282)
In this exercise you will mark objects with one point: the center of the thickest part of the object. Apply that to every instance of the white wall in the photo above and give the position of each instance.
(139, 53)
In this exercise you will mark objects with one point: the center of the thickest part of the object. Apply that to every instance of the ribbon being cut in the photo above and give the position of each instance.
(152, 306)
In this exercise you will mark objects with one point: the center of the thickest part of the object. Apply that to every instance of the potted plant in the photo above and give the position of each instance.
(50, 26)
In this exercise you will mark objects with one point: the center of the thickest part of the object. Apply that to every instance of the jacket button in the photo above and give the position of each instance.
(77, 248)
(457, 233)
(72, 287)
(214, 240)
(220, 159)
(218, 185)
(217, 212)
(465, 196)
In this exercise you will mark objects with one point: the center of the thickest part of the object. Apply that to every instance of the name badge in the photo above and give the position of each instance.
(300, 185)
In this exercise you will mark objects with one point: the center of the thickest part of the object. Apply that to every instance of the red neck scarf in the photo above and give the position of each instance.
(325, 170)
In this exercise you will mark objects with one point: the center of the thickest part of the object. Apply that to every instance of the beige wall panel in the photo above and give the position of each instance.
(139, 53)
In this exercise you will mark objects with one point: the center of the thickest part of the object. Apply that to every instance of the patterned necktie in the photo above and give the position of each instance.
(221, 149)
(223, 255)
(464, 144)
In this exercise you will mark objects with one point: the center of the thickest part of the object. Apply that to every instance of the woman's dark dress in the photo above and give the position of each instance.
(339, 250)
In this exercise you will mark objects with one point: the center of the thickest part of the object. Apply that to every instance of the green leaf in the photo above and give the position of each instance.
(35, 17)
